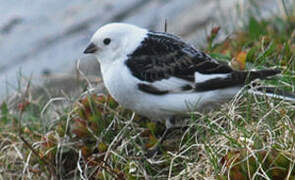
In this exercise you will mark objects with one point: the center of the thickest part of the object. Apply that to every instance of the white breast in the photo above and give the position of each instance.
(120, 84)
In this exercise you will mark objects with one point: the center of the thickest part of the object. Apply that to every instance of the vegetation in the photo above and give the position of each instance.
(92, 137)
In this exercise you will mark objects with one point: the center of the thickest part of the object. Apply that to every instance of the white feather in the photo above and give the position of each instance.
(199, 78)
(171, 84)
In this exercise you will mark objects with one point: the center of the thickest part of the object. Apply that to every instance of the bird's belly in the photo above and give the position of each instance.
(123, 88)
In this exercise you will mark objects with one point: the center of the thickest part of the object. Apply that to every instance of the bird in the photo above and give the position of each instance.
(160, 76)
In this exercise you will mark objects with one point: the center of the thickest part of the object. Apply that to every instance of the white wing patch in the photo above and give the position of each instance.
(200, 78)
(172, 84)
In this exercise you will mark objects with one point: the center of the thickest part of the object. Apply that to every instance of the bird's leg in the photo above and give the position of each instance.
(156, 148)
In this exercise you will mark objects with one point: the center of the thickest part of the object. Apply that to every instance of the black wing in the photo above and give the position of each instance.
(162, 55)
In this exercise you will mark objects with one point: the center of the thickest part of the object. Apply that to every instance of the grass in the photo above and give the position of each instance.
(92, 137)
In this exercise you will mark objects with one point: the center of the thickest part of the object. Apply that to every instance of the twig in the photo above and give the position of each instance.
(165, 26)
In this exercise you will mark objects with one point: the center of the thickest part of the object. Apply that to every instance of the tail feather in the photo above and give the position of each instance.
(235, 78)
(274, 93)
(249, 76)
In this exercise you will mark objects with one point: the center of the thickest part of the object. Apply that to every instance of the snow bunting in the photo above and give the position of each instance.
(158, 75)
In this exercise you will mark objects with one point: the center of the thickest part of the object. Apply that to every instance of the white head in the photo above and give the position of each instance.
(114, 41)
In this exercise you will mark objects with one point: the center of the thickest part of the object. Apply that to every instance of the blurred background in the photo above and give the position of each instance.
(42, 41)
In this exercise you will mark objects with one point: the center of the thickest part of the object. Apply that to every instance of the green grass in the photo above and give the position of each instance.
(92, 137)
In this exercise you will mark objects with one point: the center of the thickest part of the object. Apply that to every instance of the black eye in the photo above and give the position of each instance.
(107, 41)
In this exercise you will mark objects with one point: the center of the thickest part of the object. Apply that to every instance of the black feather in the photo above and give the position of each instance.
(162, 55)
(151, 89)
(236, 78)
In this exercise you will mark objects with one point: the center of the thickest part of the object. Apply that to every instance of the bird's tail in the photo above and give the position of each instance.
(248, 76)
(273, 92)
(236, 78)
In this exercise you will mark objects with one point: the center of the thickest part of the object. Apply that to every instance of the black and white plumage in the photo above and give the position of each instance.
(158, 75)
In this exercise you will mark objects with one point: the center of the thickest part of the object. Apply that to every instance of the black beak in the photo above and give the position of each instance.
(91, 48)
